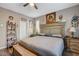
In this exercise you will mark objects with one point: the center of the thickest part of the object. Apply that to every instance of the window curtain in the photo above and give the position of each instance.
(37, 26)
(30, 27)
(22, 29)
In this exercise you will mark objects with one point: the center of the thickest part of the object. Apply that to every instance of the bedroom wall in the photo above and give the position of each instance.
(4, 14)
(67, 15)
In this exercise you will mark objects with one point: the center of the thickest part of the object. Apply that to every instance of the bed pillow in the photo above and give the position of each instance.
(42, 34)
(48, 35)
(57, 35)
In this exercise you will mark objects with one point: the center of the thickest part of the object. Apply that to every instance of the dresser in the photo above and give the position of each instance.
(72, 44)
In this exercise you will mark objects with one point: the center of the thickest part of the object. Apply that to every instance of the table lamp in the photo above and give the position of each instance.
(72, 30)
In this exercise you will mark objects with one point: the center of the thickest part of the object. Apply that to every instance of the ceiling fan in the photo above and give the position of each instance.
(31, 4)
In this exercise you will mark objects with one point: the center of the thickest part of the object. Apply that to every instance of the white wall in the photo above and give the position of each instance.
(67, 15)
(4, 14)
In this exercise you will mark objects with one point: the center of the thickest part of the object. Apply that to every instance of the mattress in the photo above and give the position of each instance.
(45, 46)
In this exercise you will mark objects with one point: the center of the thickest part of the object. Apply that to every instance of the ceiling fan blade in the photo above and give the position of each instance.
(25, 4)
(35, 6)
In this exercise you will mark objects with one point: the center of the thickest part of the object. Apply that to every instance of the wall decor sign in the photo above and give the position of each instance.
(74, 21)
(51, 18)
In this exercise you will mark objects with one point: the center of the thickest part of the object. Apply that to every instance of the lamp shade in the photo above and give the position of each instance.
(72, 29)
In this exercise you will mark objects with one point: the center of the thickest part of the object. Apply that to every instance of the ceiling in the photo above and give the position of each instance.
(43, 8)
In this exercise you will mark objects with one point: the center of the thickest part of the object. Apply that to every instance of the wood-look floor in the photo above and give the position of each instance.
(5, 52)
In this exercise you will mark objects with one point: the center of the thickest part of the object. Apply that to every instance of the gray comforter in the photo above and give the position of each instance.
(46, 46)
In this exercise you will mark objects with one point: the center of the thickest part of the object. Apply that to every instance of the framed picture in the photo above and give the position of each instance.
(51, 18)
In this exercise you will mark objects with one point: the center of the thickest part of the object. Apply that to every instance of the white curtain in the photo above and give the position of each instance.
(30, 27)
(37, 26)
(22, 29)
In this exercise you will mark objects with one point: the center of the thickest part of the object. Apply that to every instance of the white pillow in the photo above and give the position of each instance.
(58, 35)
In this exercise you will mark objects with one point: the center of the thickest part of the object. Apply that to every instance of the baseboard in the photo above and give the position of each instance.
(3, 47)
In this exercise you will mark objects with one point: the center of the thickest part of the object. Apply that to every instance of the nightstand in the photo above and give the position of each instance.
(72, 44)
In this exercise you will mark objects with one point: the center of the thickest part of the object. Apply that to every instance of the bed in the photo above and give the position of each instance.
(45, 46)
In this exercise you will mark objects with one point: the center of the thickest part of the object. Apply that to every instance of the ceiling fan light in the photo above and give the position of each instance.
(31, 4)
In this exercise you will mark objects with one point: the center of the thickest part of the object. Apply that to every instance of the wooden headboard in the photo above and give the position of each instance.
(55, 28)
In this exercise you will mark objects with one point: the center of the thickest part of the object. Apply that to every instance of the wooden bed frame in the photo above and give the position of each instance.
(31, 50)
(55, 28)
(19, 50)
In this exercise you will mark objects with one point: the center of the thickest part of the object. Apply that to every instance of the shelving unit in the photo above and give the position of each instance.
(11, 33)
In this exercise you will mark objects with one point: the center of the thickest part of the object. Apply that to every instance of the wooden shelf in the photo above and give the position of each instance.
(11, 33)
